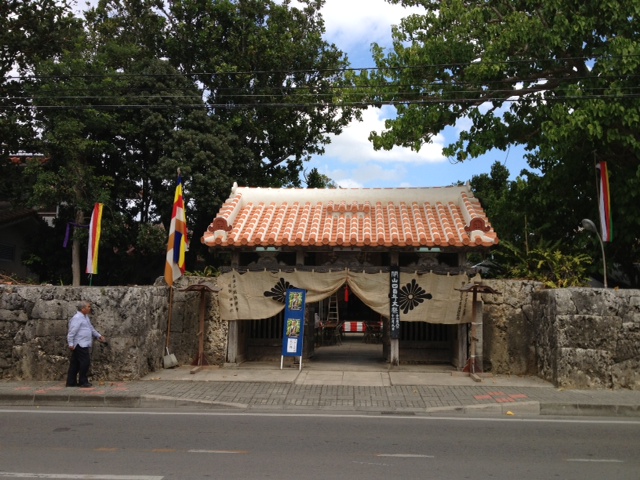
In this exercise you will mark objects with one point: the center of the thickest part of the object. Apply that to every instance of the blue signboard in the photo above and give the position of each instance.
(293, 334)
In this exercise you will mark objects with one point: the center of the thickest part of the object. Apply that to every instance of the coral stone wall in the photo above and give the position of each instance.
(509, 328)
(575, 338)
(588, 338)
(34, 321)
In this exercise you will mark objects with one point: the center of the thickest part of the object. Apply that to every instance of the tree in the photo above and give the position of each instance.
(555, 76)
(70, 138)
(116, 122)
(226, 90)
(315, 179)
(516, 209)
(522, 211)
(269, 82)
(544, 263)
(265, 71)
(30, 31)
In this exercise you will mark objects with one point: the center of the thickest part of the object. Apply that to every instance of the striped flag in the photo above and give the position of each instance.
(94, 239)
(604, 203)
(177, 246)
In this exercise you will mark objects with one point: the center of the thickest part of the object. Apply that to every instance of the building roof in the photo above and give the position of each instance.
(352, 217)
(10, 216)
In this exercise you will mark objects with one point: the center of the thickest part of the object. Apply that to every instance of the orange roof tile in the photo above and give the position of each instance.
(352, 217)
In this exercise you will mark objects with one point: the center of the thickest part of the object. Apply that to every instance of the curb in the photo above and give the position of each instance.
(589, 410)
(160, 401)
(521, 408)
(530, 408)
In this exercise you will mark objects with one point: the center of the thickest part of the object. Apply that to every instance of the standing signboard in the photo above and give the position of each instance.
(394, 314)
(293, 333)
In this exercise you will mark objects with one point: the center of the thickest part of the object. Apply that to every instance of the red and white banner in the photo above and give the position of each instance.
(353, 327)
(604, 203)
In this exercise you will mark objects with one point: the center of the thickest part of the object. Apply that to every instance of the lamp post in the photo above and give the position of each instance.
(591, 227)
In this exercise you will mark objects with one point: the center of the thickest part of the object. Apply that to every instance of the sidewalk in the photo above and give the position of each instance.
(333, 388)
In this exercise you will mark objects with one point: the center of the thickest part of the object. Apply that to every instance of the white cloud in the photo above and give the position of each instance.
(352, 145)
(350, 159)
(365, 175)
(371, 174)
(351, 23)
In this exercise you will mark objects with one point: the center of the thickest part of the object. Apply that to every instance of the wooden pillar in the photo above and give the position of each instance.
(474, 363)
(462, 259)
(201, 359)
(203, 289)
(477, 336)
(233, 342)
(394, 351)
(461, 353)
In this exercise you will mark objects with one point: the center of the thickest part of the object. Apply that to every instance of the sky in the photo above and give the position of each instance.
(350, 160)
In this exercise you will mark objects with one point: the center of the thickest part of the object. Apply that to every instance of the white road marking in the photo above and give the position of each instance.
(372, 417)
(595, 460)
(403, 455)
(217, 451)
(377, 464)
(68, 476)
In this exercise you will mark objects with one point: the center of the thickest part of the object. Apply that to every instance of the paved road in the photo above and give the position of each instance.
(155, 445)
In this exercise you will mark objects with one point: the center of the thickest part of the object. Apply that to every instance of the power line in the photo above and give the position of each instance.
(259, 93)
(301, 105)
(531, 61)
(278, 88)
(403, 90)
(362, 92)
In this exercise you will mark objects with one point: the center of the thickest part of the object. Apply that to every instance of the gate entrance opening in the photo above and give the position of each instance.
(342, 331)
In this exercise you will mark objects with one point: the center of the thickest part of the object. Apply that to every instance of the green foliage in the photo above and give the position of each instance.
(151, 239)
(47, 258)
(315, 179)
(30, 31)
(555, 76)
(545, 263)
(270, 77)
(208, 271)
(227, 91)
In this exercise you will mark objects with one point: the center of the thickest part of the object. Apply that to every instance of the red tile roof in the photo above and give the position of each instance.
(351, 217)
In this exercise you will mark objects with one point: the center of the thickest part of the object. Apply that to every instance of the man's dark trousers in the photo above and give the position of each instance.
(79, 365)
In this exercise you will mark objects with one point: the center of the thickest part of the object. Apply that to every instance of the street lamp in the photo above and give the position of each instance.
(591, 227)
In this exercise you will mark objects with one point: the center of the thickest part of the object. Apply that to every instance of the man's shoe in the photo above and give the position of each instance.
(72, 385)
(86, 385)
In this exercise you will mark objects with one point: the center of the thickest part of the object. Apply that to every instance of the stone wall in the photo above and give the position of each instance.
(588, 338)
(509, 328)
(575, 338)
(34, 320)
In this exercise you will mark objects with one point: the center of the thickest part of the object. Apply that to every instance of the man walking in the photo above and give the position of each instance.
(80, 338)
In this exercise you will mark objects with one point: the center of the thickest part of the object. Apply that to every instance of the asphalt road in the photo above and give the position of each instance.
(155, 445)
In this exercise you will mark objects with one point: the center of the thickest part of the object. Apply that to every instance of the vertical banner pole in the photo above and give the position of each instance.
(170, 315)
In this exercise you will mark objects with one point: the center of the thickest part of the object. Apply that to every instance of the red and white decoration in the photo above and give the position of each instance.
(353, 327)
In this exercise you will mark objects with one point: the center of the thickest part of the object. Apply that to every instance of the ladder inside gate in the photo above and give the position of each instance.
(333, 315)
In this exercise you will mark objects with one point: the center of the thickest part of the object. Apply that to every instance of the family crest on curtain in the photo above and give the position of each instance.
(427, 297)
